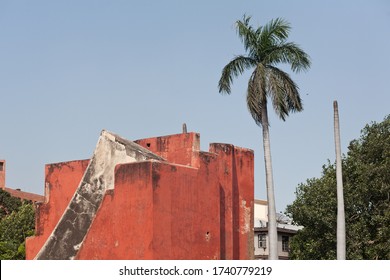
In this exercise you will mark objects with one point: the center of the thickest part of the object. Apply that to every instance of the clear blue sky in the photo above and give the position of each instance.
(69, 69)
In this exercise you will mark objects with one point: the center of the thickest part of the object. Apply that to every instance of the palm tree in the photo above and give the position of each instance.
(340, 193)
(266, 47)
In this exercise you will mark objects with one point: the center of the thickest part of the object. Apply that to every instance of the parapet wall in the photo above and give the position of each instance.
(188, 205)
(18, 193)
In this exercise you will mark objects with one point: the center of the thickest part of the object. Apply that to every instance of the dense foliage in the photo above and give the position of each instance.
(366, 177)
(8, 204)
(17, 222)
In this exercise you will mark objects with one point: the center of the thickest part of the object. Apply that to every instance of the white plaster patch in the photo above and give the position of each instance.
(99, 176)
(246, 227)
(77, 246)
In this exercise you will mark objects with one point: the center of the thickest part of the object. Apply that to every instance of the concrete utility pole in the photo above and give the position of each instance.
(340, 195)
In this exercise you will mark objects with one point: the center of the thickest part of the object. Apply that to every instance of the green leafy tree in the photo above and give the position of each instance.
(366, 180)
(15, 226)
(266, 47)
(8, 204)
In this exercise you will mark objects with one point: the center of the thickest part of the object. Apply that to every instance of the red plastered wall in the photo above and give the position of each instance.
(197, 205)
(61, 181)
(157, 211)
(178, 148)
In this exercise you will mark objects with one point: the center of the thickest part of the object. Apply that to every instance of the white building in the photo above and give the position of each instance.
(285, 231)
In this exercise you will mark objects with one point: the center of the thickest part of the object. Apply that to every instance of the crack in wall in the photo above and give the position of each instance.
(69, 233)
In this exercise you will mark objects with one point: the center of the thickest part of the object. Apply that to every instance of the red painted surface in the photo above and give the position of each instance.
(235, 174)
(197, 205)
(61, 181)
(179, 148)
(2, 174)
(16, 192)
(25, 195)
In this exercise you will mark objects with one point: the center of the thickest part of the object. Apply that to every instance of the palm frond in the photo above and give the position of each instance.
(256, 94)
(283, 91)
(254, 106)
(266, 47)
(234, 68)
(289, 53)
(276, 31)
(246, 33)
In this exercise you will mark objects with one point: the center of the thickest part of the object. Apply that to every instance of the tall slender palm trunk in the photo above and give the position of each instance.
(340, 196)
(267, 46)
(272, 229)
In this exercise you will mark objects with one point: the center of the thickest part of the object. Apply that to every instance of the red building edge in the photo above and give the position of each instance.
(193, 205)
(18, 193)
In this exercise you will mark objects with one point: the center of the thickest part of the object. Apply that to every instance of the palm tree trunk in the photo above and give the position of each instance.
(272, 230)
(340, 196)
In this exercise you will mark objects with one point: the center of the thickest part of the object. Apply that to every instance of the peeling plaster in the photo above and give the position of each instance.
(246, 226)
(67, 237)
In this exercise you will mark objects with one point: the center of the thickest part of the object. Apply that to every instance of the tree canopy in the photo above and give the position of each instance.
(366, 176)
(16, 224)
(266, 47)
(8, 204)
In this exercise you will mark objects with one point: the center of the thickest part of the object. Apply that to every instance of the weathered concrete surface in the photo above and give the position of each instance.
(201, 208)
(194, 205)
(158, 211)
(61, 182)
(68, 235)
(178, 148)
(235, 173)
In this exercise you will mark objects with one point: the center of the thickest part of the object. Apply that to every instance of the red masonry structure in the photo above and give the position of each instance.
(18, 193)
(189, 205)
(2, 174)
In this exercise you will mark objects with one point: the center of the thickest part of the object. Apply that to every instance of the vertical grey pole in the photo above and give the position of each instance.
(340, 196)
